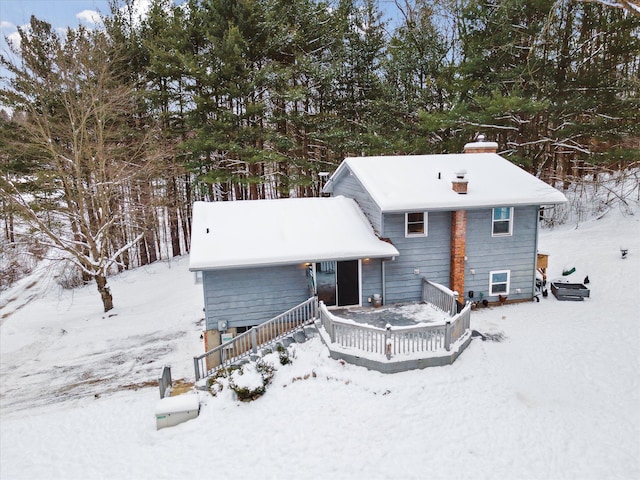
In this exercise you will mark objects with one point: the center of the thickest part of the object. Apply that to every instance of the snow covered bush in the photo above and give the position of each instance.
(250, 381)
(217, 382)
(283, 355)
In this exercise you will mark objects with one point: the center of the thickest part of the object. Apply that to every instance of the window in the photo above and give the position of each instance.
(502, 221)
(499, 282)
(415, 224)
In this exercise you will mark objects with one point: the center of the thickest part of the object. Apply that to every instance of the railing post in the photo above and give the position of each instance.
(388, 343)
(196, 368)
(447, 336)
(454, 307)
(332, 329)
(254, 340)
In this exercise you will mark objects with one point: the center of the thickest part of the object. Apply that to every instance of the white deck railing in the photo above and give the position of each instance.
(395, 341)
(440, 297)
(249, 342)
(389, 342)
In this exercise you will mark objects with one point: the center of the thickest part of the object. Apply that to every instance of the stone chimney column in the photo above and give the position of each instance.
(458, 248)
(481, 146)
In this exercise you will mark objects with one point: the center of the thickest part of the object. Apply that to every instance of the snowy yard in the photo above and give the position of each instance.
(556, 398)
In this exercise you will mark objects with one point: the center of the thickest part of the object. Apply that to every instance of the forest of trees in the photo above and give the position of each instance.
(108, 136)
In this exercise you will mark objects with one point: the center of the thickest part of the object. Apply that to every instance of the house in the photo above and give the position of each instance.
(258, 258)
(469, 221)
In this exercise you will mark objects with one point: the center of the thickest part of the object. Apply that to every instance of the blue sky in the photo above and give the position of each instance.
(60, 13)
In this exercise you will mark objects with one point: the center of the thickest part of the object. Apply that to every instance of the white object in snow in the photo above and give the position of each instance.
(172, 411)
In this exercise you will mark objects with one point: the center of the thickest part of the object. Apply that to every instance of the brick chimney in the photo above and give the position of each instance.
(459, 221)
(459, 184)
(458, 248)
(480, 146)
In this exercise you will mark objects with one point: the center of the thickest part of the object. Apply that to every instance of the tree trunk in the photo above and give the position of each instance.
(105, 292)
(172, 209)
(186, 212)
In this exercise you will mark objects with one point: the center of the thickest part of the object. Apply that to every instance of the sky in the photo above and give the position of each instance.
(60, 13)
(552, 394)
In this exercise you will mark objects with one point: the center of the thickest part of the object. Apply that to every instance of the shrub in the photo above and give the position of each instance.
(283, 355)
(250, 381)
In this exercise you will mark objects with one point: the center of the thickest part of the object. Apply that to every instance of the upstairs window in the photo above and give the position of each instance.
(502, 222)
(499, 282)
(415, 224)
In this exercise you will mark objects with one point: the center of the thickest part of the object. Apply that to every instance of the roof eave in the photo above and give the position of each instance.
(236, 266)
(471, 206)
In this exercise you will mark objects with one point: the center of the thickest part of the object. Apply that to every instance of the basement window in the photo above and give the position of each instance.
(502, 222)
(415, 224)
(499, 282)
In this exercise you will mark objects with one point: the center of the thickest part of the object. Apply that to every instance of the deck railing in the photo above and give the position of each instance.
(393, 341)
(440, 296)
(249, 342)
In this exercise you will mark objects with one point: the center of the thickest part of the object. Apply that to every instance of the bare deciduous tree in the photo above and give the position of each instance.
(79, 119)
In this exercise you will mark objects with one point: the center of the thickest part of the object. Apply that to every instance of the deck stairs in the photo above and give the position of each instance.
(293, 326)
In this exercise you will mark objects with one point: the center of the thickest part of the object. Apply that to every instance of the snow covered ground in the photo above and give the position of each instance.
(557, 398)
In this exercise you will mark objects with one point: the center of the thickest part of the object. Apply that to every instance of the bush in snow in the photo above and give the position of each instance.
(283, 355)
(217, 382)
(250, 381)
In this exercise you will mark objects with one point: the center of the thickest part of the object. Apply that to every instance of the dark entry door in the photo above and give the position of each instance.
(348, 283)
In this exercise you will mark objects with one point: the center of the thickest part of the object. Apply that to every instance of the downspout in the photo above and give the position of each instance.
(384, 276)
(384, 283)
(535, 253)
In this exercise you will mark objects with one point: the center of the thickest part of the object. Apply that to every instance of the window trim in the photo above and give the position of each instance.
(494, 221)
(492, 283)
(425, 224)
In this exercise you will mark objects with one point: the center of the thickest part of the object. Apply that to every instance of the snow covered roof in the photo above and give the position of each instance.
(278, 232)
(401, 183)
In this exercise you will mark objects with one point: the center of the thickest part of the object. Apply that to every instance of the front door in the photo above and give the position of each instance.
(348, 290)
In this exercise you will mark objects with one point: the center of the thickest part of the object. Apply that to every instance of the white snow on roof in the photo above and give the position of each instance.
(401, 183)
(278, 232)
(480, 145)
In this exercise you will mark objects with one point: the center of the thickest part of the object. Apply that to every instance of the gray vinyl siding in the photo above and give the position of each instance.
(371, 279)
(429, 255)
(516, 253)
(347, 185)
(246, 297)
